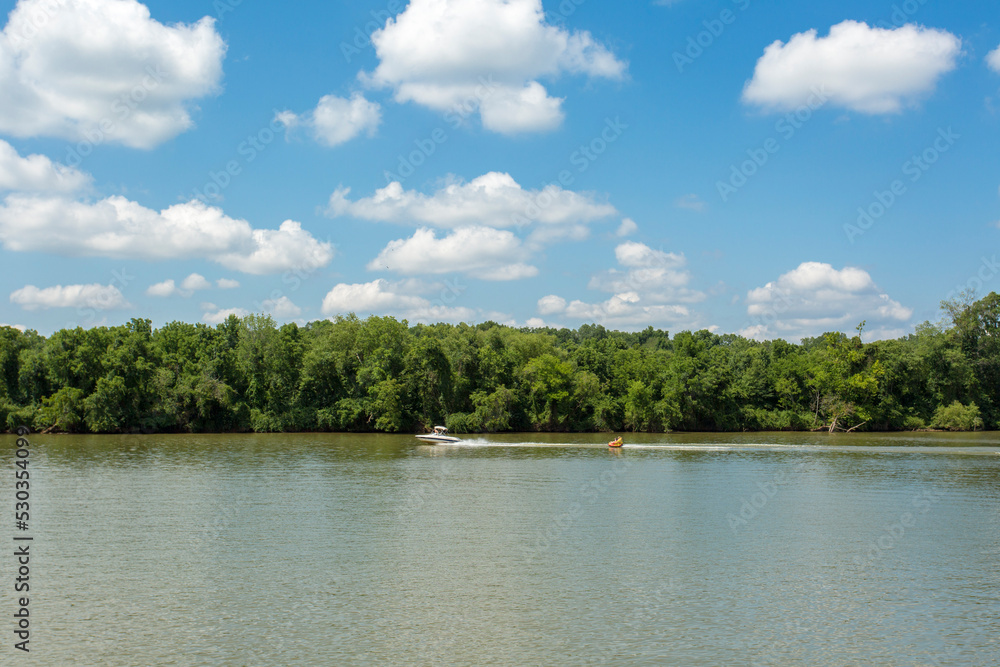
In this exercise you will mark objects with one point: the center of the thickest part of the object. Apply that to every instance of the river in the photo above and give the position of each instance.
(319, 549)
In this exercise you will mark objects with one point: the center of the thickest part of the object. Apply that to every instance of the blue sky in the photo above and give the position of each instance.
(777, 170)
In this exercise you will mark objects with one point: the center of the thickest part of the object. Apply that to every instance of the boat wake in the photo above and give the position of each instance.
(745, 448)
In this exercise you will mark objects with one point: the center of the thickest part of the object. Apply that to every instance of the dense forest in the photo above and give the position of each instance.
(380, 374)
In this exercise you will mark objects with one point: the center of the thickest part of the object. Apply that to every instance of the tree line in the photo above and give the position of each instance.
(382, 375)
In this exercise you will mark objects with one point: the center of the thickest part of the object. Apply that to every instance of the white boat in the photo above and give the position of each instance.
(439, 436)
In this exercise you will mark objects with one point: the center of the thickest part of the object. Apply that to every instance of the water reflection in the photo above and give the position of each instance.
(314, 548)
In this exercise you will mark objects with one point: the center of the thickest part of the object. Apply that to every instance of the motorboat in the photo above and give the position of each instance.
(439, 436)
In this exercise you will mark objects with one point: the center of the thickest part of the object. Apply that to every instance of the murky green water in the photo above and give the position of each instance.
(762, 549)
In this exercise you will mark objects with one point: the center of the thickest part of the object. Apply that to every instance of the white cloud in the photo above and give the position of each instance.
(640, 255)
(116, 227)
(99, 297)
(438, 52)
(653, 291)
(815, 298)
(336, 120)
(19, 327)
(551, 304)
(482, 252)
(993, 59)
(474, 211)
(103, 70)
(281, 307)
(196, 281)
(164, 289)
(512, 110)
(626, 310)
(870, 70)
(381, 297)
(374, 297)
(188, 287)
(226, 283)
(628, 227)
(220, 316)
(691, 202)
(37, 173)
(273, 251)
(659, 277)
(493, 199)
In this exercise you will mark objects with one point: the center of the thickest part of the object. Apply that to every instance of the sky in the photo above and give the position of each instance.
(776, 170)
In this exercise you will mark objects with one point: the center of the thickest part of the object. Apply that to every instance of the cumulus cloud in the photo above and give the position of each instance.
(640, 255)
(993, 59)
(551, 304)
(281, 307)
(220, 316)
(196, 281)
(188, 287)
(116, 227)
(37, 173)
(628, 227)
(481, 252)
(866, 69)
(272, 251)
(815, 298)
(336, 120)
(164, 289)
(493, 199)
(653, 290)
(627, 311)
(476, 212)
(227, 283)
(659, 277)
(437, 53)
(99, 297)
(381, 297)
(103, 70)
